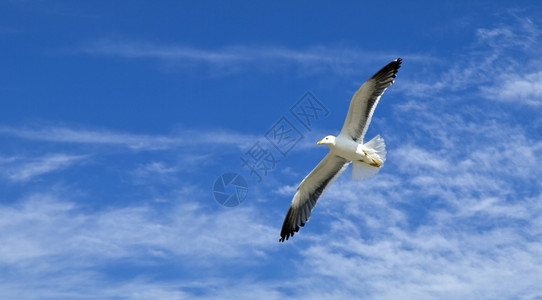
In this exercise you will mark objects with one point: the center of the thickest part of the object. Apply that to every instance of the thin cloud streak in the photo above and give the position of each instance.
(339, 60)
(232, 54)
(99, 137)
(21, 170)
(141, 142)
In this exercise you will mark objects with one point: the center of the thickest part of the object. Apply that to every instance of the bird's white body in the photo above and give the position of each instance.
(372, 153)
(347, 148)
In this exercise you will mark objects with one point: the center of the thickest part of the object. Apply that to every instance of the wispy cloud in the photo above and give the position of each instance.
(517, 32)
(20, 169)
(339, 60)
(44, 236)
(518, 88)
(184, 138)
(515, 78)
(156, 171)
(99, 137)
(135, 229)
(231, 54)
(502, 65)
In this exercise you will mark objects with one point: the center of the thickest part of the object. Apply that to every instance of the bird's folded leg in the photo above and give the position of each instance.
(375, 163)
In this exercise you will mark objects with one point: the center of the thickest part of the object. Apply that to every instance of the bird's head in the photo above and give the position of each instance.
(328, 140)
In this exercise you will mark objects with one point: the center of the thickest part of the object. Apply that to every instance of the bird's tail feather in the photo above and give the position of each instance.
(362, 170)
(377, 143)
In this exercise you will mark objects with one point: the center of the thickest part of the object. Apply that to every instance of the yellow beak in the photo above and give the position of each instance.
(319, 143)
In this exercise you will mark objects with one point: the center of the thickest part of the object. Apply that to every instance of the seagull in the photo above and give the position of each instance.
(345, 148)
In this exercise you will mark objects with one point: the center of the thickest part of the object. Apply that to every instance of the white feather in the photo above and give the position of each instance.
(376, 148)
(379, 147)
(361, 171)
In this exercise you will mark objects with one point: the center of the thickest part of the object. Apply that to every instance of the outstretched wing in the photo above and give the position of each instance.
(364, 101)
(308, 192)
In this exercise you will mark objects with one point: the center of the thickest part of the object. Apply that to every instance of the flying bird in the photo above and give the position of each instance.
(345, 148)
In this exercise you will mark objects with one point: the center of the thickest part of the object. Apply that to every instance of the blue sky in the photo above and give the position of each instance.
(117, 117)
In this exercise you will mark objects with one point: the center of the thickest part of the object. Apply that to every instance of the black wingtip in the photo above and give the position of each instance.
(389, 71)
(397, 65)
(285, 237)
(394, 65)
(398, 61)
(289, 226)
(286, 234)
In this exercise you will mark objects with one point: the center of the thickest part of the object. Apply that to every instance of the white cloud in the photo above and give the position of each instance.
(56, 228)
(46, 239)
(519, 32)
(339, 60)
(503, 65)
(287, 190)
(441, 262)
(184, 138)
(513, 78)
(519, 89)
(20, 170)
(155, 170)
(99, 137)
